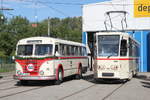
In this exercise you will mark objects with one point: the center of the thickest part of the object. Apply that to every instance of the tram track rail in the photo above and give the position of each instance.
(24, 91)
(108, 95)
(61, 98)
(80, 91)
(10, 88)
(6, 81)
(77, 92)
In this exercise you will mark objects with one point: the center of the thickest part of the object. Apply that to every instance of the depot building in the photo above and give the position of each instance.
(131, 16)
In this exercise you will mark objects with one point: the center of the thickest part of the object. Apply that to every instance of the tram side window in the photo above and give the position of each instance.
(134, 50)
(123, 48)
(130, 48)
(137, 51)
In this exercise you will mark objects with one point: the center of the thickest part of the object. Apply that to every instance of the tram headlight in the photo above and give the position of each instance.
(114, 67)
(41, 72)
(101, 67)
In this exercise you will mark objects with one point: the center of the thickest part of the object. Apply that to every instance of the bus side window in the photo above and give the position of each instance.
(56, 51)
(123, 48)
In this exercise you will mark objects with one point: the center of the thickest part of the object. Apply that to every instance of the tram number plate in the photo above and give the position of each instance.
(107, 74)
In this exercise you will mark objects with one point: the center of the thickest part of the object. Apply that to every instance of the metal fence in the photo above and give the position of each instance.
(6, 64)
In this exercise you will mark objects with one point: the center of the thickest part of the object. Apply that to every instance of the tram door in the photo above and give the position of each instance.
(91, 41)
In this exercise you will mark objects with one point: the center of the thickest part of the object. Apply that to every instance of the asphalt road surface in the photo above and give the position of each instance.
(84, 89)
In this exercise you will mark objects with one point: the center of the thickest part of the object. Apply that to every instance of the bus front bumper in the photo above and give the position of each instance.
(34, 77)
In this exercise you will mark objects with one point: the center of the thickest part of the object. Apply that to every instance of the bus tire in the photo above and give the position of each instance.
(59, 77)
(79, 75)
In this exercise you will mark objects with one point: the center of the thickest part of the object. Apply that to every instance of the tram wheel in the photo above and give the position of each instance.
(135, 75)
(79, 75)
(60, 77)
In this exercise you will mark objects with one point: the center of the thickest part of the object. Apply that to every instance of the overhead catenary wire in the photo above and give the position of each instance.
(64, 14)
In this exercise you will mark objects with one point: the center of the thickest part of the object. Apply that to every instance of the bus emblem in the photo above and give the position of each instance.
(30, 67)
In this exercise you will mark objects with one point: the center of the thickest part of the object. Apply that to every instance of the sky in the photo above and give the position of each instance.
(38, 10)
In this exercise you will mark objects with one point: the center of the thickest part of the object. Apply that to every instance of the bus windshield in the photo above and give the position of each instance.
(25, 50)
(43, 49)
(108, 45)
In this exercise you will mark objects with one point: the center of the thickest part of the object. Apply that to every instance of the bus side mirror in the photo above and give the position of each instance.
(13, 57)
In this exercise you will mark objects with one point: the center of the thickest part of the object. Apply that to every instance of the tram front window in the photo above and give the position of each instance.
(43, 49)
(25, 50)
(108, 45)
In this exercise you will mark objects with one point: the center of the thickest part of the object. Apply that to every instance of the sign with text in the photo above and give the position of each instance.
(141, 8)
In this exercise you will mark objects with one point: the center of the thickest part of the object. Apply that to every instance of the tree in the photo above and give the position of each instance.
(20, 27)
(6, 44)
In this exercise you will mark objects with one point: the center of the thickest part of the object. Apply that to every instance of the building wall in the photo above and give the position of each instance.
(94, 16)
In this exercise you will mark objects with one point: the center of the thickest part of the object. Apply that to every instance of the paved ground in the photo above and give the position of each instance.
(86, 89)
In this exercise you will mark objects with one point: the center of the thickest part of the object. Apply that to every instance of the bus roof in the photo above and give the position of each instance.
(47, 40)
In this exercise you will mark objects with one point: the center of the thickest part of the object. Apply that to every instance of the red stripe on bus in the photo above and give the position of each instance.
(116, 58)
(32, 59)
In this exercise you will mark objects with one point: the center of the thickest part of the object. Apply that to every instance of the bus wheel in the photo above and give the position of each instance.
(79, 75)
(59, 77)
(23, 82)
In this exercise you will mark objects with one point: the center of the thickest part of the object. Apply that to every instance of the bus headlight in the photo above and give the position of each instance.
(19, 72)
(41, 72)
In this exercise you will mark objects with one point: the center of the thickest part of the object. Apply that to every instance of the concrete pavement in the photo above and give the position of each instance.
(85, 89)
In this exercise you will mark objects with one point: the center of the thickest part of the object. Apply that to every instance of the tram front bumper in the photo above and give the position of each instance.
(52, 77)
(107, 75)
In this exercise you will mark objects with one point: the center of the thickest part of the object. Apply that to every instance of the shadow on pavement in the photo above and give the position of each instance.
(143, 77)
(44, 83)
(35, 83)
(146, 84)
(90, 78)
(1, 77)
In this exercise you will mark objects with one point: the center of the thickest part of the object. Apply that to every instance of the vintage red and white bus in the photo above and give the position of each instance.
(116, 56)
(45, 58)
